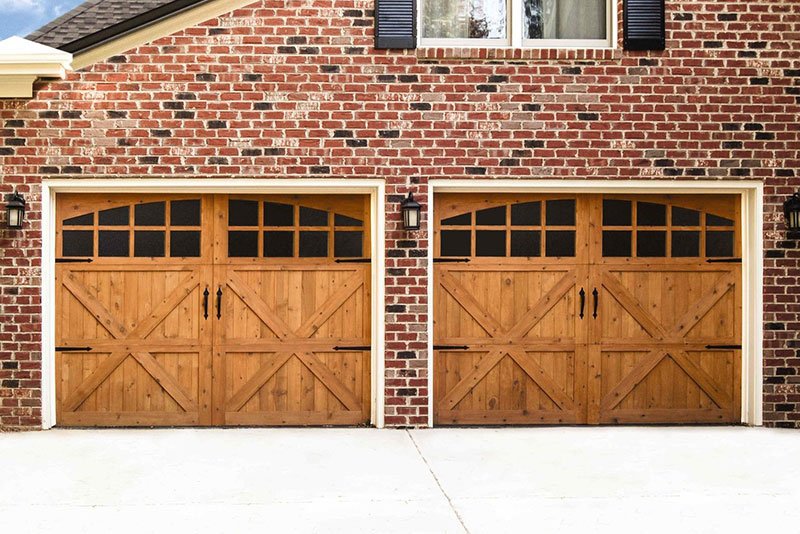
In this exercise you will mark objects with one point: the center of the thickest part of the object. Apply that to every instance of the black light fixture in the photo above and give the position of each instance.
(411, 213)
(791, 210)
(15, 211)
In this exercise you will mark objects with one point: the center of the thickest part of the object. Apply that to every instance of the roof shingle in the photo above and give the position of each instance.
(94, 16)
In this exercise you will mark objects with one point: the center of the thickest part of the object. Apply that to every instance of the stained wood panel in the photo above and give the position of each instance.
(176, 310)
(659, 279)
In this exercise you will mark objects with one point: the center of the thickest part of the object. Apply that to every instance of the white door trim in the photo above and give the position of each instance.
(375, 188)
(752, 194)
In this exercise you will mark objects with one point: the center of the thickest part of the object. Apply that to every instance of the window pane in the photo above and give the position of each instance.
(617, 212)
(491, 216)
(527, 214)
(114, 244)
(348, 244)
(344, 220)
(456, 242)
(525, 243)
(565, 19)
(651, 244)
(464, 19)
(78, 243)
(685, 217)
(490, 243)
(151, 214)
(115, 217)
(276, 214)
(243, 213)
(616, 244)
(713, 220)
(184, 244)
(560, 213)
(458, 220)
(560, 243)
(313, 217)
(719, 244)
(649, 214)
(242, 244)
(81, 220)
(278, 244)
(685, 244)
(148, 244)
(185, 212)
(313, 244)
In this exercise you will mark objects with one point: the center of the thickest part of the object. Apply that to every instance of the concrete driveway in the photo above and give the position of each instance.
(360, 480)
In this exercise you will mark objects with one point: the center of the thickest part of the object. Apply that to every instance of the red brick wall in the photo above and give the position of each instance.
(293, 89)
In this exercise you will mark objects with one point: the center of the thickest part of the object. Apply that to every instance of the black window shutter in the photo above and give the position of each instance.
(395, 23)
(645, 25)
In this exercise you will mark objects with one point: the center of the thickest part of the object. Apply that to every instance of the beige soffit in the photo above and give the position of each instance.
(172, 24)
(22, 62)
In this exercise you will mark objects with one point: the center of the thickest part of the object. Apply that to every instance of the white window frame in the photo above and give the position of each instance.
(515, 30)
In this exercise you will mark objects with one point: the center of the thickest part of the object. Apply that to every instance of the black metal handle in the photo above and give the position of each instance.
(219, 303)
(583, 301)
(450, 347)
(205, 304)
(596, 296)
(353, 349)
(73, 349)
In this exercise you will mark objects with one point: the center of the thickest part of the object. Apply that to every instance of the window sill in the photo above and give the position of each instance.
(518, 54)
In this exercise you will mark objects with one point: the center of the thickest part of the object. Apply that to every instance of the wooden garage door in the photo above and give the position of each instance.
(181, 310)
(586, 309)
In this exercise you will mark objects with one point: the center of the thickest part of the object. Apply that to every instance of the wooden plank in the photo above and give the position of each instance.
(125, 419)
(486, 364)
(331, 305)
(642, 369)
(330, 381)
(543, 380)
(468, 302)
(109, 364)
(255, 383)
(295, 418)
(667, 415)
(701, 378)
(542, 308)
(165, 380)
(700, 308)
(632, 306)
(259, 307)
(507, 417)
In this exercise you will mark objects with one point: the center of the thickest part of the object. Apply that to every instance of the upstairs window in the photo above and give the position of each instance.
(517, 23)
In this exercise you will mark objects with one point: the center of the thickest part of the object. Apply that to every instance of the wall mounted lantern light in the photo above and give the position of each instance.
(791, 210)
(411, 213)
(15, 211)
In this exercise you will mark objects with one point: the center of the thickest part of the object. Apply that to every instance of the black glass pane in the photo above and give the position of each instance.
(456, 243)
(617, 213)
(490, 243)
(278, 214)
(527, 214)
(312, 217)
(684, 217)
(348, 244)
(651, 244)
(491, 217)
(243, 244)
(313, 244)
(343, 220)
(152, 214)
(148, 244)
(82, 220)
(719, 244)
(77, 243)
(184, 244)
(114, 243)
(184, 213)
(617, 244)
(560, 213)
(648, 214)
(278, 244)
(560, 243)
(243, 213)
(458, 220)
(115, 217)
(686, 244)
(525, 243)
(713, 220)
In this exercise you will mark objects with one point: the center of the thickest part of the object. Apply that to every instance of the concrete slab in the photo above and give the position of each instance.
(438, 481)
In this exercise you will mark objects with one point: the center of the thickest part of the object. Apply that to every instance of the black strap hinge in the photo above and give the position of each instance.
(354, 260)
(74, 260)
(724, 260)
(723, 347)
(353, 349)
(73, 349)
(450, 347)
(450, 260)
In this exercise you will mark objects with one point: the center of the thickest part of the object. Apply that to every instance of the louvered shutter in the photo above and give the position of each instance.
(645, 27)
(395, 24)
